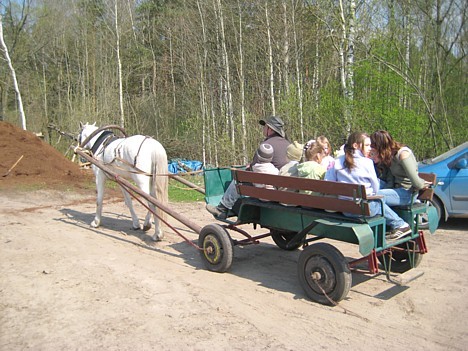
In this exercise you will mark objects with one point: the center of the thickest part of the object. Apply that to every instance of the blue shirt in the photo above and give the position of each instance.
(363, 172)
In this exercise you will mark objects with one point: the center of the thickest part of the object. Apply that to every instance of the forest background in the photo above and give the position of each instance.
(199, 74)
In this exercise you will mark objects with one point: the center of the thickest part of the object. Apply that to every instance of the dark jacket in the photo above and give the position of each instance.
(279, 145)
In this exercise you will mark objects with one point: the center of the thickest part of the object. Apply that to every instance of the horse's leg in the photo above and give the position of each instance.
(158, 188)
(158, 232)
(100, 181)
(129, 203)
(145, 183)
(147, 223)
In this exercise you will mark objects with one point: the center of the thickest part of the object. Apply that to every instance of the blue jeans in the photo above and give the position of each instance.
(392, 219)
(230, 195)
(396, 196)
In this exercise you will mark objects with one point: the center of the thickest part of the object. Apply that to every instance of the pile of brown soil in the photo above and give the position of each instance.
(40, 165)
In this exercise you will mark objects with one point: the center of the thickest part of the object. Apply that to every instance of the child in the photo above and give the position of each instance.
(312, 168)
(327, 160)
(264, 157)
(294, 153)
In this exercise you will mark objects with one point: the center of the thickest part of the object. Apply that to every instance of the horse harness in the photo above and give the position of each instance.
(108, 137)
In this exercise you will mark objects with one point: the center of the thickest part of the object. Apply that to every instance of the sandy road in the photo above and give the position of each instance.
(64, 285)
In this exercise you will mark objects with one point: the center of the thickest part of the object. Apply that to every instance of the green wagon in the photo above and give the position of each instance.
(296, 220)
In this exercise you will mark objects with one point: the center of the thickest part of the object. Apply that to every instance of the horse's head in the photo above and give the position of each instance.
(85, 131)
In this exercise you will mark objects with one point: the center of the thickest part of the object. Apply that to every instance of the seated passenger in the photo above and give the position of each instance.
(276, 137)
(386, 178)
(312, 168)
(327, 160)
(294, 154)
(355, 167)
(264, 157)
(401, 162)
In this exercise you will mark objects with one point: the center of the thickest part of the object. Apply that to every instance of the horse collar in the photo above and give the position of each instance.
(104, 135)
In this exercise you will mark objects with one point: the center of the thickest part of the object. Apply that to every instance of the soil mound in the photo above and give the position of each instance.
(40, 164)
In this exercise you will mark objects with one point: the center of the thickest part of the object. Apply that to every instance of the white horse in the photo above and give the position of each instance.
(139, 158)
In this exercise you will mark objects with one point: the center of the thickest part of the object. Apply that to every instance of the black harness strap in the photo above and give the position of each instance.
(104, 135)
(135, 159)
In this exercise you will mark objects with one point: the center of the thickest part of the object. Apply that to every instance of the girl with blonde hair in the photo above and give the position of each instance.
(327, 160)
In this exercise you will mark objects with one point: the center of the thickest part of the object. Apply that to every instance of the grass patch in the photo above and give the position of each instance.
(179, 192)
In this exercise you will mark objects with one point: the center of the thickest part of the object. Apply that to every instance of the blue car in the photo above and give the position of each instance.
(451, 193)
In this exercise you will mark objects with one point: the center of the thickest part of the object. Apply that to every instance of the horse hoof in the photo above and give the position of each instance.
(157, 237)
(136, 228)
(147, 227)
(94, 224)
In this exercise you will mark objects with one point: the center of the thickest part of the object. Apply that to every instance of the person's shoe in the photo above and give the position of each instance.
(219, 211)
(398, 233)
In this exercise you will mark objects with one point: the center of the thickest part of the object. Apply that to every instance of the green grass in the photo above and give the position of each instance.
(179, 192)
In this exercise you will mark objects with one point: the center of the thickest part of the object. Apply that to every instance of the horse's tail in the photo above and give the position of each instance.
(160, 178)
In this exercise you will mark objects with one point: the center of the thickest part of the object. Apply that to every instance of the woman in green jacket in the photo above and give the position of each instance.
(403, 166)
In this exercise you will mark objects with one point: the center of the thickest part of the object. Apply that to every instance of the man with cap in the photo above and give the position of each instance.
(276, 137)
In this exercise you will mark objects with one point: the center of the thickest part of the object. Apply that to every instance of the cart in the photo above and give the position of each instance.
(295, 220)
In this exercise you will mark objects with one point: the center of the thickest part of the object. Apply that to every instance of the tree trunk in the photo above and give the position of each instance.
(285, 48)
(242, 89)
(119, 67)
(206, 140)
(270, 61)
(298, 72)
(228, 98)
(13, 76)
(343, 71)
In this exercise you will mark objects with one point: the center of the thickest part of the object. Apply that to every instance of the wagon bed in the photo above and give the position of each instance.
(295, 220)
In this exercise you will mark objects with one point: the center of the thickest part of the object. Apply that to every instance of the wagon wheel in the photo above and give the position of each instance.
(423, 220)
(323, 271)
(400, 260)
(283, 237)
(217, 248)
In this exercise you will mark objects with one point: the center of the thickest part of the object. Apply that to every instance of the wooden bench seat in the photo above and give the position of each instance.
(326, 192)
(325, 196)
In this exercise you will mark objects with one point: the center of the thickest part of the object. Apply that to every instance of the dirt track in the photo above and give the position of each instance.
(65, 285)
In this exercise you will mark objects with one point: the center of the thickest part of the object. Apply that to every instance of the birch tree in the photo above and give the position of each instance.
(242, 85)
(270, 60)
(227, 74)
(298, 71)
(19, 100)
(346, 54)
(119, 64)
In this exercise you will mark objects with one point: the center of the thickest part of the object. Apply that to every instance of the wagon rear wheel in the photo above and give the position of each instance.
(323, 272)
(423, 219)
(216, 248)
(283, 237)
(402, 260)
